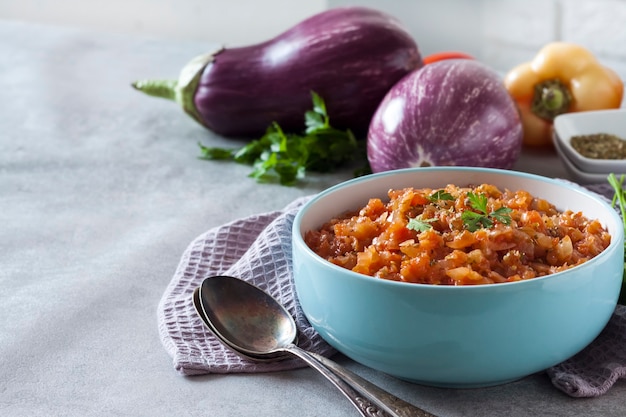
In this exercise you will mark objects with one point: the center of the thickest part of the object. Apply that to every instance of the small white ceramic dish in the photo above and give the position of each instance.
(585, 123)
(579, 175)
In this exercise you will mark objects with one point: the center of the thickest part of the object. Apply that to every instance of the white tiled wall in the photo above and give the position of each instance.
(231, 22)
(504, 33)
(515, 29)
(501, 33)
(436, 25)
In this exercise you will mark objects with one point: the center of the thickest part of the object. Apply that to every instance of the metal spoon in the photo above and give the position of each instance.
(255, 325)
(364, 407)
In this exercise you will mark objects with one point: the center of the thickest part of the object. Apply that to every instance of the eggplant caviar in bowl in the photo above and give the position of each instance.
(458, 276)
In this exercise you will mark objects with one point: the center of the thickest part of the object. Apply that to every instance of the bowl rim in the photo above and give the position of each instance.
(298, 239)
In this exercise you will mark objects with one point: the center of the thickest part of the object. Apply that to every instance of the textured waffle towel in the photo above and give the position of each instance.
(594, 370)
(258, 250)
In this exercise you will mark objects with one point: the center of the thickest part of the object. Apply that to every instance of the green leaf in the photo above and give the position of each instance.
(319, 106)
(501, 215)
(474, 221)
(216, 153)
(316, 120)
(440, 195)
(619, 198)
(285, 157)
(249, 153)
(478, 202)
(419, 224)
(313, 122)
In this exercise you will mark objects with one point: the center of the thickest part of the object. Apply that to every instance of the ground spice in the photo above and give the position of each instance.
(600, 146)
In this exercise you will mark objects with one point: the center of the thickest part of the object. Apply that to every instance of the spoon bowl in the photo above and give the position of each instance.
(247, 318)
(254, 357)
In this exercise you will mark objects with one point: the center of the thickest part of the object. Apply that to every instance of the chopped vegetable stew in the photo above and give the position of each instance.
(459, 236)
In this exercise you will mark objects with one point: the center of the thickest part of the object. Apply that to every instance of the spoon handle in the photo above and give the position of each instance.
(388, 402)
(363, 405)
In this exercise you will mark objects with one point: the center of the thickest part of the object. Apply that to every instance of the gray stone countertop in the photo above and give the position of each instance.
(100, 193)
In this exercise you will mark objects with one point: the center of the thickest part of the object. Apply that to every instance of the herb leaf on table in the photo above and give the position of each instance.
(286, 157)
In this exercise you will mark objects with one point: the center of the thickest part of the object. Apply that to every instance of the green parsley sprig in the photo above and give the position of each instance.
(440, 195)
(286, 157)
(619, 199)
(420, 224)
(481, 218)
(472, 220)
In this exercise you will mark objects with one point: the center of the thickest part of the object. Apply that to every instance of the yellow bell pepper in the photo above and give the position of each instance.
(562, 78)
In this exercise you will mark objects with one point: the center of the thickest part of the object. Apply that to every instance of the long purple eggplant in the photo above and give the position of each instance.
(350, 56)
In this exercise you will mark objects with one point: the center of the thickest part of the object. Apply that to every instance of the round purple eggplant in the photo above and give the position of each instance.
(453, 112)
(350, 56)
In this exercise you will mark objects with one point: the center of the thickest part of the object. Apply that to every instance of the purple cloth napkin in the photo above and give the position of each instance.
(258, 249)
(594, 370)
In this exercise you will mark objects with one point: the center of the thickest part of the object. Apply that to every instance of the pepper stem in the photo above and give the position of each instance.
(551, 98)
(157, 88)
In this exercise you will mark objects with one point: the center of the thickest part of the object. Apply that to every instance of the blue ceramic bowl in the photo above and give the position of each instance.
(463, 336)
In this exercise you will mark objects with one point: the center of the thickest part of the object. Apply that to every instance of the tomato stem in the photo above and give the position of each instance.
(551, 98)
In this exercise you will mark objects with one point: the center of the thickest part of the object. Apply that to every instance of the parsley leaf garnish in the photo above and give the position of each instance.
(501, 215)
(419, 224)
(286, 157)
(483, 219)
(440, 195)
(474, 221)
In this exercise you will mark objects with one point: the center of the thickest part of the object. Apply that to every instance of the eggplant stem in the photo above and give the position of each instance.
(158, 88)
